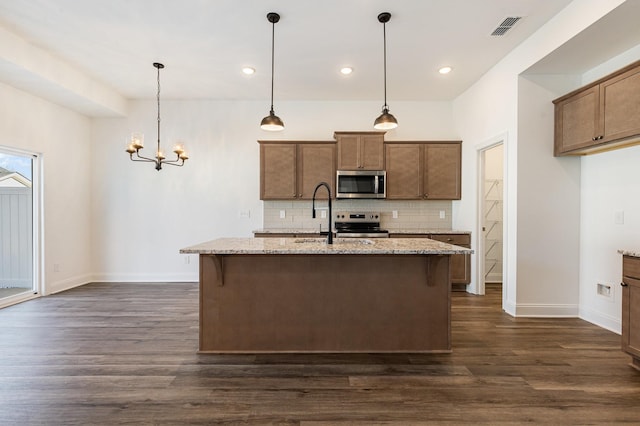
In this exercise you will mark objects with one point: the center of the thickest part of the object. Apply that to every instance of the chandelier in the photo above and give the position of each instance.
(136, 143)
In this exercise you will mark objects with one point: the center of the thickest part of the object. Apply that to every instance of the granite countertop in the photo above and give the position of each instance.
(391, 231)
(319, 246)
(629, 253)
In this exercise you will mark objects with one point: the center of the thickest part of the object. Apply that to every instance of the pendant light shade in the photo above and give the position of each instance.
(272, 122)
(386, 120)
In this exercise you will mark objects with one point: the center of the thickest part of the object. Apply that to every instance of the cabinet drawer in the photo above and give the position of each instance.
(631, 267)
(456, 239)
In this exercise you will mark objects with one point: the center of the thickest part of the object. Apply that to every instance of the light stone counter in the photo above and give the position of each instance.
(300, 231)
(375, 246)
(629, 253)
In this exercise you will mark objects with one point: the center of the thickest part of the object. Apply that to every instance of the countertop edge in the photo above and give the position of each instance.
(317, 246)
(391, 231)
(629, 253)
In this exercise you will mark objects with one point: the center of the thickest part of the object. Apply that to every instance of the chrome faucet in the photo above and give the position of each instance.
(313, 209)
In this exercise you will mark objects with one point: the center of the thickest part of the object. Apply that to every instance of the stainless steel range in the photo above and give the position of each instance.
(359, 225)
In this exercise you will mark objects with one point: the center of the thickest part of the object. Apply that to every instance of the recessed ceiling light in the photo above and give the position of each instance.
(445, 70)
(248, 70)
(346, 70)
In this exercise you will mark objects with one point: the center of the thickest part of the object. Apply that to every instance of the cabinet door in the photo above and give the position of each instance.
(348, 152)
(316, 163)
(442, 171)
(371, 152)
(631, 307)
(460, 263)
(404, 175)
(277, 171)
(577, 121)
(360, 151)
(631, 316)
(620, 106)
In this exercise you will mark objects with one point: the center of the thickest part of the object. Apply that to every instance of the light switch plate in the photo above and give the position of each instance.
(619, 218)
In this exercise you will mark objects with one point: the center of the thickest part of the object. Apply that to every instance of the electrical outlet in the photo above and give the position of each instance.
(244, 213)
(56, 267)
(187, 260)
(394, 214)
(442, 214)
(619, 218)
(283, 214)
(323, 214)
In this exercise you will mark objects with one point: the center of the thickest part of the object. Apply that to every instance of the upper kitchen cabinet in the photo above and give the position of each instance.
(601, 116)
(424, 170)
(291, 170)
(404, 171)
(360, 150)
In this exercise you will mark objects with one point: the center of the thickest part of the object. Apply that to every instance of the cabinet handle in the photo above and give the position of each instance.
(600, 137)
(623, 284)
(595, 138)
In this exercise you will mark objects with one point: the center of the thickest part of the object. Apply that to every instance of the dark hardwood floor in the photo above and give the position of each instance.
(126, 354)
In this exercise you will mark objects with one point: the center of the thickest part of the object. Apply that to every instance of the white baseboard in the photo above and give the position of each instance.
(67, 284)
(141, 278)
(601, 320)
(546, 310)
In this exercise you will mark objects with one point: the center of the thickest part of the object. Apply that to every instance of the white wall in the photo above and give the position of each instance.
(610, 184)
(63, 138)
(489, 111)
(142, 217)
(548, 212)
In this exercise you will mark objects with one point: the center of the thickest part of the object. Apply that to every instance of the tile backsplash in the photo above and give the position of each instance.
(411, 214)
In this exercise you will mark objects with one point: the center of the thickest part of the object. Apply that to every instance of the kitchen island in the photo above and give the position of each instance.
(303, 295)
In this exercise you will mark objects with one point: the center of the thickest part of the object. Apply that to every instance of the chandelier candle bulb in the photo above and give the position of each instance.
(178, 149)
(137, 140)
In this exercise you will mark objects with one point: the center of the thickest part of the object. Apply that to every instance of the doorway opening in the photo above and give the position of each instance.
(19, 226)
(491, 215)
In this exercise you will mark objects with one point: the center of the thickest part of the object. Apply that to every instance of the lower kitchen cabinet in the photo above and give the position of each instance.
(460, 263)
(631, 308)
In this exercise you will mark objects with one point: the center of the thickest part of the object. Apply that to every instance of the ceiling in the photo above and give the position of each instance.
(204, 44)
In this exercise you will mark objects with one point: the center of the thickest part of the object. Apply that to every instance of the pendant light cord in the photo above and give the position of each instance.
(384, 35)
(273, 30)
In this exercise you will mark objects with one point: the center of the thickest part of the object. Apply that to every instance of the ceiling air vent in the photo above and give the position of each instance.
(505, 25)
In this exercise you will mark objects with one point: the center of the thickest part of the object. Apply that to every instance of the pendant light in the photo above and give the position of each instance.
(136, 143)
(272, 122)
(386, 121)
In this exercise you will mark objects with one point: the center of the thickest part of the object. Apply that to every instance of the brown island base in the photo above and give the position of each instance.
(301, 295)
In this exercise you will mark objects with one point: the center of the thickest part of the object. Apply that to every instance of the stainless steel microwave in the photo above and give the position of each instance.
(361, 184)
